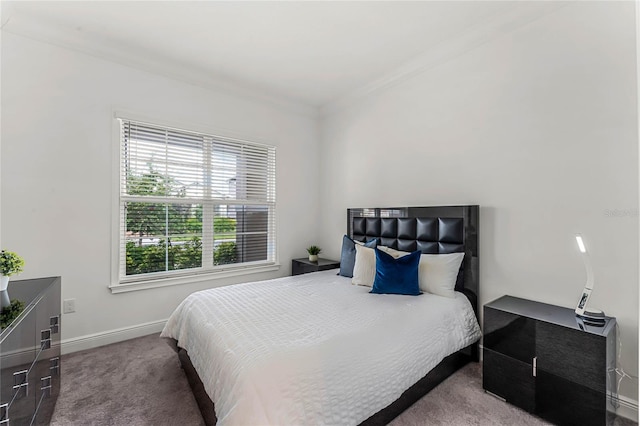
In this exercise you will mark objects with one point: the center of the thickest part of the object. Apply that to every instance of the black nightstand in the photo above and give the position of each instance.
(545, 360)
(304, 265)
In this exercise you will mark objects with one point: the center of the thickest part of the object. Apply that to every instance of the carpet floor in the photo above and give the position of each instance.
(140, 382)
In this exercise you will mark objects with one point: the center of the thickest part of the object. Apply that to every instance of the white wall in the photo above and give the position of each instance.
(57, 146)
(538, 127)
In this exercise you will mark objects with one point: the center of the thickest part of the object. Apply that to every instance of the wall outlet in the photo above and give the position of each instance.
(69, 306)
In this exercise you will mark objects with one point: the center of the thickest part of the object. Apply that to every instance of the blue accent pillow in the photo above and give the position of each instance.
(396, 276)
(348, 255)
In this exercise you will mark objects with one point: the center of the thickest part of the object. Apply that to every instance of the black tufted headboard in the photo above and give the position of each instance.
(433, 230)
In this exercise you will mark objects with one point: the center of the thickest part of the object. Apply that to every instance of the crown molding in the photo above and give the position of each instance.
(31, 27)
(510, 20)
(38, 29)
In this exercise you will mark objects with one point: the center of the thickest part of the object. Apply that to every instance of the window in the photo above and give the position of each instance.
(192, 203)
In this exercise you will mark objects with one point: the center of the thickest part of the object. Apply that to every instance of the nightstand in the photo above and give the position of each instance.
(545, 360)
(304, 265)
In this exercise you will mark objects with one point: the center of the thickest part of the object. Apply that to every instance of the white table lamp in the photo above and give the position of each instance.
(592, 315)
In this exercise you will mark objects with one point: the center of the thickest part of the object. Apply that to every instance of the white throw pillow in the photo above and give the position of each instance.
(364, 270)
(437, 273)
(393, 252)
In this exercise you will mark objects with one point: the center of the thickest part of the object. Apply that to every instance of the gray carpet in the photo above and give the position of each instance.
(140, 382)
(137, 382)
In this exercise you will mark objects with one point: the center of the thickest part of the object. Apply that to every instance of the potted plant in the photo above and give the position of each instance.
(10, 264)
(313, 251)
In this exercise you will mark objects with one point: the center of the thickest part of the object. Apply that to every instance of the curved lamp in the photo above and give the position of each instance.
(594, 315)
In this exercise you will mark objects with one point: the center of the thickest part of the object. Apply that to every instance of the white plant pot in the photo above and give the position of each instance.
(4, 294)
(4, 282)
(313, 258)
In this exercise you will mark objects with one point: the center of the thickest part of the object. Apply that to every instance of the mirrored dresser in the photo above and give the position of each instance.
(30, 354)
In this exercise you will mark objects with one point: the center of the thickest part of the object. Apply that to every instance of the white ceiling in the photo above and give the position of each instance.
(312, 53)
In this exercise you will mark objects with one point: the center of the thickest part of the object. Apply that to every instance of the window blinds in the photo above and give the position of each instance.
(193, 202)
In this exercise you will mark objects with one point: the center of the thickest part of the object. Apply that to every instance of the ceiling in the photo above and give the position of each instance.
(312, 53)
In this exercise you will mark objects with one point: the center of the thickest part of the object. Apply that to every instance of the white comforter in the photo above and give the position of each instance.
(314, 349)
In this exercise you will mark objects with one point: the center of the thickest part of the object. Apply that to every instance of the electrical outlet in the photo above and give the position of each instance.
(69, 306)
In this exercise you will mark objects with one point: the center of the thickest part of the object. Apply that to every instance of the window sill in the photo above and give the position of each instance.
(190, 279)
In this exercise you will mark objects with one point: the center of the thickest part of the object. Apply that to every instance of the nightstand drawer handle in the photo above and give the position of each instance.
(535, 365)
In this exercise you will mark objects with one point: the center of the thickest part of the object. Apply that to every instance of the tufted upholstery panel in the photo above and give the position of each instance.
(429, 235)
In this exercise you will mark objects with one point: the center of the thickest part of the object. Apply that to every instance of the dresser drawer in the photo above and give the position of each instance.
(46, 389)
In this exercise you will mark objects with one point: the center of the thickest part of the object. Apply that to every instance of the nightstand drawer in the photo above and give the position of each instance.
(566, 403)
(304, 266)
(575, 355)
(509, 334)
(509, 378)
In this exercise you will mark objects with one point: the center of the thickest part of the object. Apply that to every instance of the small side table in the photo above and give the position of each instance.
(304, 265)
(544, 360)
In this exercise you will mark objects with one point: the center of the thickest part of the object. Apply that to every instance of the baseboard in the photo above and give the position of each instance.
(95, 340)
(627, 407)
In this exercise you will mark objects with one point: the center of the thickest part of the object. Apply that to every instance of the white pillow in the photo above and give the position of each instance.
(364, 269)
(437, 273)
(393, 252)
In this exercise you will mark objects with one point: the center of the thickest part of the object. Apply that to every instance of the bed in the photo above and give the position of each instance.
(314, 349)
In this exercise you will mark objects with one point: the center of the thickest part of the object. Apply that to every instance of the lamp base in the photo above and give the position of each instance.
(593, 316)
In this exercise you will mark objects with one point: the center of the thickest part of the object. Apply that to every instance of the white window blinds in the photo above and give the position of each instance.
(192, 202)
